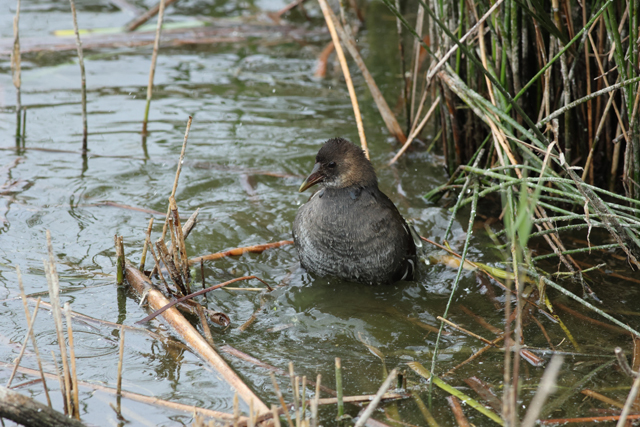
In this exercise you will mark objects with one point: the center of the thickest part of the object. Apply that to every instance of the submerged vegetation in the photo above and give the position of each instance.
(535, 105)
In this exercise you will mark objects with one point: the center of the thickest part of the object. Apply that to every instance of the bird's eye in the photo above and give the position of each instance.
(331, 164)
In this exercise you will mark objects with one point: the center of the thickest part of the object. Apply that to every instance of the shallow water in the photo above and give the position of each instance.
(257, 112)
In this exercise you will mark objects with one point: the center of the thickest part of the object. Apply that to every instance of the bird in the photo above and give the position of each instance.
(348, 228)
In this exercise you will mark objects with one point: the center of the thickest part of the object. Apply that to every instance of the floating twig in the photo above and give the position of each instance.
(148, 15)
(256, 249)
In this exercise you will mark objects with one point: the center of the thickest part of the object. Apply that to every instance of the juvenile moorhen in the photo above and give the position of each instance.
(349, 229)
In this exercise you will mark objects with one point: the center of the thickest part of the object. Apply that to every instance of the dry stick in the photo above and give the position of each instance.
(82, 76)
(72, 357)
(33, 337)
(345, 71)
(152, 70)
(54, 287)
(146, 245)
(119, 380)
(416, 131)
(15, 66)
(184, 329)
(24, 344)
(148, 15)
(175, 187)
(239, 251)
(133, 396)
(387, 115)
(376, 400)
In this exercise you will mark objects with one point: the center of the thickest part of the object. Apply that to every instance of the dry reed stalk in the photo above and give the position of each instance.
(415, 132)
(119, 378)
(33, 337)
(54, 289)
(119, 259)
(181, 244)
(546, 387)
(296, 401)
(283, 405)
(148, 15)
(186, 331)
(146, 245)
(175, 187)
(171, 267)
(83, 78)
(376, 400)
(275, 416)
(15, 66)
(385, 112)
(339, 396)
(129, 395)
(416, 61)
(72, 357)
(61, 383)
(314, 403)
(152, 70)
(432, 72)
(347, 75)
(24, 344)
(158, 269)
(256, 249)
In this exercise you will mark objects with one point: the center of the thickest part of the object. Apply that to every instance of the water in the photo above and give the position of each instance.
(259, 118)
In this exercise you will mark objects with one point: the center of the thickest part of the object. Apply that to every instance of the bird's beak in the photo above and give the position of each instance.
(314, 177)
